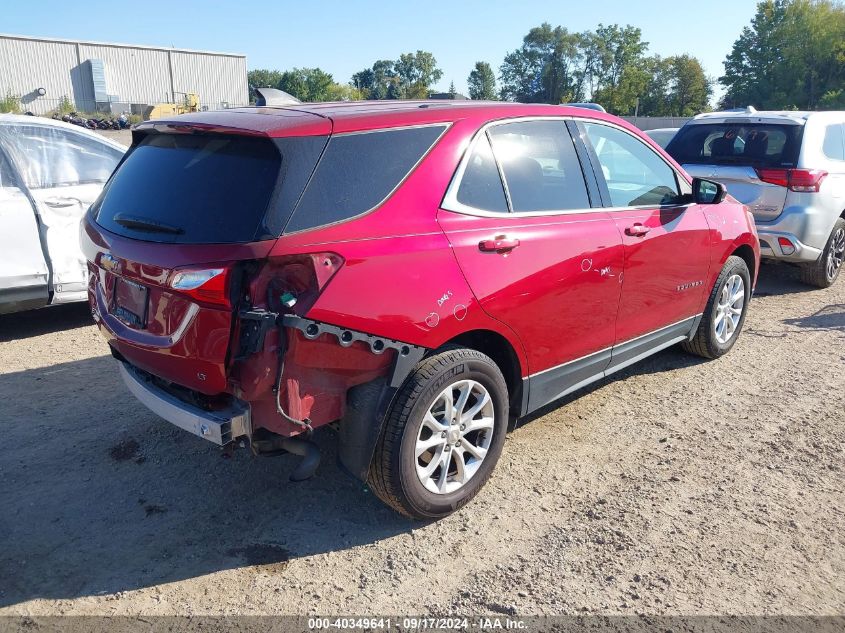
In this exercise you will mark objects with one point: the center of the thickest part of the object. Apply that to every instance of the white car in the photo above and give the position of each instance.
(50, 173)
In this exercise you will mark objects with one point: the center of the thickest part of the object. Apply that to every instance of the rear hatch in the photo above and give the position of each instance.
(736, 152)
(187, 213)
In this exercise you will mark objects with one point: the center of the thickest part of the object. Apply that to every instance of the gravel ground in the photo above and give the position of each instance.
(677, 487)
(124, 137)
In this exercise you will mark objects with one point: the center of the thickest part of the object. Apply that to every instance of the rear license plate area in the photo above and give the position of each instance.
(130, 302)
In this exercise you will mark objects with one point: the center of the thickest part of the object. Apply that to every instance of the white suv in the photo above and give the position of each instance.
(789, 169)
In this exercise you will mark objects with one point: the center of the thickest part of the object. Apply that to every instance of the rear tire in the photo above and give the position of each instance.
(824, 272)
(451, 410)
(724, 315)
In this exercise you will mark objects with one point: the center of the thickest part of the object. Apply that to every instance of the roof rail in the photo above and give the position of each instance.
(589, 106)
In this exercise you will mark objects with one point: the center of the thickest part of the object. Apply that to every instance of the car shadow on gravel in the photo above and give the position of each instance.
(99, 496)
(668, 360)
(22, 325)
(831, 318)
(779, 278)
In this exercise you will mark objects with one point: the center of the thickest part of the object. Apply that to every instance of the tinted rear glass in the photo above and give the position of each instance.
(773, 145)
(206, 189)
(358, 171)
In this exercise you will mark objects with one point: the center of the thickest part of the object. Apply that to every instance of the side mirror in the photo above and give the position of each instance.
(708, 191)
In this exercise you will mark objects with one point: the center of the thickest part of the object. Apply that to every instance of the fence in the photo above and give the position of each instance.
(656, 122)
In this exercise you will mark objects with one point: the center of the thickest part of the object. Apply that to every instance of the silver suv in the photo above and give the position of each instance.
(789, 169)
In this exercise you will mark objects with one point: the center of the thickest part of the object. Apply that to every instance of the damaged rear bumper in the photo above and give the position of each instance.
(218, 426)
(407, 355)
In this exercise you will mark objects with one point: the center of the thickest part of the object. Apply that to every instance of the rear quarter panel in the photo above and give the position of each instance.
(400, 279)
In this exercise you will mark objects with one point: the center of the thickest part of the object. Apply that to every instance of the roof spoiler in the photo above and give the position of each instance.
(274, 97)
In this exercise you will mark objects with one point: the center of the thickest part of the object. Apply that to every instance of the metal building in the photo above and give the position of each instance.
(97, 76)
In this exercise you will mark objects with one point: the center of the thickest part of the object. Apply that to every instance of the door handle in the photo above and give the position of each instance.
(499, 244)
(637, 230)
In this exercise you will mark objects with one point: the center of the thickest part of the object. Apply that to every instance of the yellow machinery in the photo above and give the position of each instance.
(190, 103)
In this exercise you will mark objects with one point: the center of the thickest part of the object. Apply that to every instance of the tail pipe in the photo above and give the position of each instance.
(304, 448)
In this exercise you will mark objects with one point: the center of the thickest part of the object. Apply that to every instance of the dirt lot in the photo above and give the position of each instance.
(679, 486)
(124, 137)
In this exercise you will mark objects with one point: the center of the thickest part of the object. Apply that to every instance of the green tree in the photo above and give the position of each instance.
(547, 68)
(791, 55)
(689, 87)
(262, 78)
(674, 86)
(751, 68)
(482, 82)
(416, 73)
(617, 71)
(293, 82)
(309, 84)
(654, 98)
(378, 82)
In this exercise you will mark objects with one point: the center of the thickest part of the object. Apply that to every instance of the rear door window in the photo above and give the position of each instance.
(541, 168)
(206, 189)
(358, 171)
(757, 144)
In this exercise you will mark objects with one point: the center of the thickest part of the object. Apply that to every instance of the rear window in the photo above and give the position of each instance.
(771, 145)
(207, 189)
(358, 171)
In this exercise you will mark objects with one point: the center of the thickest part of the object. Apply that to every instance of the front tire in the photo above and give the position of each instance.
(724, 315)
(443, 435)
(824, 271)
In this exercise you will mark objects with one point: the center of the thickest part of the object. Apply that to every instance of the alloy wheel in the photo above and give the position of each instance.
(836, 254)
(729, 309)
(454, 437)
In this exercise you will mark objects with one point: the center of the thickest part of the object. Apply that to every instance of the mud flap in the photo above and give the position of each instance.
(366, 407)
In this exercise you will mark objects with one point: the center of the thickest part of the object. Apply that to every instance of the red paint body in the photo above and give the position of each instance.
(414, 272)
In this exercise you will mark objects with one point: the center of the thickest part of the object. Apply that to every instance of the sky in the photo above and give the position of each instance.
(345, 37)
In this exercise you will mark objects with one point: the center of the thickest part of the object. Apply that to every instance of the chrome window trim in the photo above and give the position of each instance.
(450, 199)
(444, 124)
(501, 170)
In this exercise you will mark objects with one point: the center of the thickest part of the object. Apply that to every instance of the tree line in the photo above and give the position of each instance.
(792, 55)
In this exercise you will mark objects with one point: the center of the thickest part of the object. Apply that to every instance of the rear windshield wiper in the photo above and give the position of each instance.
(145, 224)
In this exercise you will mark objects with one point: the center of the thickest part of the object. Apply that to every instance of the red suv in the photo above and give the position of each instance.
(422, 274)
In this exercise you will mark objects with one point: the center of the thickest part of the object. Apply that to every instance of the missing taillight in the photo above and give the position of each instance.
(296, 281)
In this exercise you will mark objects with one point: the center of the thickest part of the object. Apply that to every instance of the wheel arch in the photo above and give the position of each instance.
(745, 252)
(503, 353)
